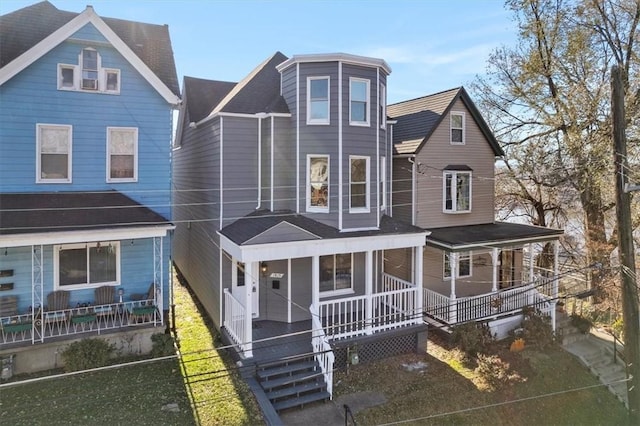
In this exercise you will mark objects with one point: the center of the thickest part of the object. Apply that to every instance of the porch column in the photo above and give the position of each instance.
(453, 307)
(531, 263)
(37, 291)
(368, 291)
(250, 276)
(554, 299)
(494, 264)
(419, 303)
(315, 283)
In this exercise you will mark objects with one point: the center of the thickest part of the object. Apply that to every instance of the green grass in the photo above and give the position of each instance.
(447, 392)
(204, 385)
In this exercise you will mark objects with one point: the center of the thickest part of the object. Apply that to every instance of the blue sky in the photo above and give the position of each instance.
(431, 45)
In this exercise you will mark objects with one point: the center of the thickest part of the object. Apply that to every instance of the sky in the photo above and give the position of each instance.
(430, 45)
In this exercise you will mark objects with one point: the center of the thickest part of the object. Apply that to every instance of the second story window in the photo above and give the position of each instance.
(318, 100)
(457, 191)
(88, 75)
(383, 106)
(122, 154)
(318, 183)
(53, 163)
(359, 185)
(358, 102)
(457, 128)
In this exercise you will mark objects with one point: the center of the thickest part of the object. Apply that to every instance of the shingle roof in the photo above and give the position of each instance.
(489, 233)
(201, 96)
(23, 213)
(254, 224)
(24, 28)
(418, 118)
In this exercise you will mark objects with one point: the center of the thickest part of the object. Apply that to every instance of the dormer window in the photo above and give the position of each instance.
(88, 75)
(457, 128)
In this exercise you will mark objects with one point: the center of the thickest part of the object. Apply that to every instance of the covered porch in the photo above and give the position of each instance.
(491, 271)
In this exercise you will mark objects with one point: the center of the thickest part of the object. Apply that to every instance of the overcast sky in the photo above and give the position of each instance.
(431, 45)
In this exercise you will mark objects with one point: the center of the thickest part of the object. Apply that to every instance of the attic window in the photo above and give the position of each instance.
(88, 75)
(457, 128)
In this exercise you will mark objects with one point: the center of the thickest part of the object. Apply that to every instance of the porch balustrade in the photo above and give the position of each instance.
(40, 326)
(322, 350)
(234, 318)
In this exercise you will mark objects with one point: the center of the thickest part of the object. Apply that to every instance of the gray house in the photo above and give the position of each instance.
(475, 268)
(282, 212)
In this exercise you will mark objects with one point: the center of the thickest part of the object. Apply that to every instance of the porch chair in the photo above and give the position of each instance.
(144, 306)
(104, 298)
(56, 301)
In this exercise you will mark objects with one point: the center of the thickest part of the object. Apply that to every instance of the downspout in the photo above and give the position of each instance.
(259, 161)
(273, 122)
(413, 189)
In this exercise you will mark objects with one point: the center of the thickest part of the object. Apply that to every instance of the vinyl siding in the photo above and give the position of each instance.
(273, 302)
(402, 190)
(284, 166)
(479, 282)
(435, 155)
(398, 262)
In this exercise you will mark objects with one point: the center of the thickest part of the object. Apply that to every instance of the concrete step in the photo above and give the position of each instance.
(302, 401)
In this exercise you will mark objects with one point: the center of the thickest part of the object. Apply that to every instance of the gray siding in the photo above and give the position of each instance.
(398, 262)
(435, 155)
(479, 282)
(300, 288)
(402, 189)
(273, 301)
(284, 160)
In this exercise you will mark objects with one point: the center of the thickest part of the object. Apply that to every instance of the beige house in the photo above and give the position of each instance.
(475, 268)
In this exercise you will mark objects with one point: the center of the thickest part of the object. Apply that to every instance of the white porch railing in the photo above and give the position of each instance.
(347, 317)
(488, 305)
(389, 283)
(234, 318)
(40, 326)
(322, 350)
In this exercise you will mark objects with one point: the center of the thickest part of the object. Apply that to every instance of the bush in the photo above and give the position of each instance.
(583, 324)
(618, 329)
(536, 328)
(471, 337)
(86, 354)
(496, 372)
(162, 345)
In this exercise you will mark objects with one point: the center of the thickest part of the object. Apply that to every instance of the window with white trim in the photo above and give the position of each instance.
(122, 154)
(463, 265)
(383, 106)
(358, 184)
(358, 101)
(383, 183)
(456, 191)
(457, 128)
(336, 274)
(318, 100)
(53, 162)
(88, 75)
(318, 183)
(86, 265)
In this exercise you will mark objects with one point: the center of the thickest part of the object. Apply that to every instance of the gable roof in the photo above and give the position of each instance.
(418, 118)
(258, 92)
(29, 33)
(200, 96)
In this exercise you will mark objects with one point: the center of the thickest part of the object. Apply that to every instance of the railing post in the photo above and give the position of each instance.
(368, 283)
(494, 265)
(419, 307)
(250, 274)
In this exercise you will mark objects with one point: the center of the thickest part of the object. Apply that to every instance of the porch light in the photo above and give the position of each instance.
(263, 268)
(120, 293)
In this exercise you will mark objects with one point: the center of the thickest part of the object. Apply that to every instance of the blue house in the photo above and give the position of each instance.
(86, 106)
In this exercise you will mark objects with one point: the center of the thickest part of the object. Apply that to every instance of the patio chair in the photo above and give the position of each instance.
(144, 306)
(104, 298)
(56, 301)
(8, 308)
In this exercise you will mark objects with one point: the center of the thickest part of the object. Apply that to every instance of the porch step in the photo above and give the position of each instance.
(292, 383)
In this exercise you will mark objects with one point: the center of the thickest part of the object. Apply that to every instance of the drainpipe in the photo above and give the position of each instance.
(260, 117)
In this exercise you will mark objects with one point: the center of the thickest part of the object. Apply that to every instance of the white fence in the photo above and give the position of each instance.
(235, 319)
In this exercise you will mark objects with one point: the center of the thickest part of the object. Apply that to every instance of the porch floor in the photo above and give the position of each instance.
(268, 346)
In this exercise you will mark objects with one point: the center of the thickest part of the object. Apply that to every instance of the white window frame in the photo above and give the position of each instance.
(463, 255)
(454, 192)
(321, 121)
(451, 128)
(105, 78)
(134, 130)
(102, 74)
(39, 128)
(367, 207)
(342, 291)
(87, 246)
(74, 85)
(383, 106)
(367, 101)
(318, 209)
(97, 70)
(383, 183)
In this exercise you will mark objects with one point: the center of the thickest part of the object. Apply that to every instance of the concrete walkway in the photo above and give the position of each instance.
(596, 351)
(332, 413)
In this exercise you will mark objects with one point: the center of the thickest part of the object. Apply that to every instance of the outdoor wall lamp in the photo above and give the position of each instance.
(263, 268)
(120, 293)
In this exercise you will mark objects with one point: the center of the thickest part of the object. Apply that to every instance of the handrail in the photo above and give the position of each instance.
(348, 414)
(323, 353)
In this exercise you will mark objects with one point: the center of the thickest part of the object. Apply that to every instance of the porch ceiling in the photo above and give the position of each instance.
(31, 216)
(489, 234)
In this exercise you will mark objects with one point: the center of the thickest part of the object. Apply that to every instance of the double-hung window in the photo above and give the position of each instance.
(359, 184)
(53, 162)
(383, 183)
(89, 69)
(463, 265)
(318, 183)
(457, 128)
(86, 265)
(456, 191)
(318, 100)
(358, 102)
(88, 75)
(122, 154)
(336, 273)
(383, 106)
